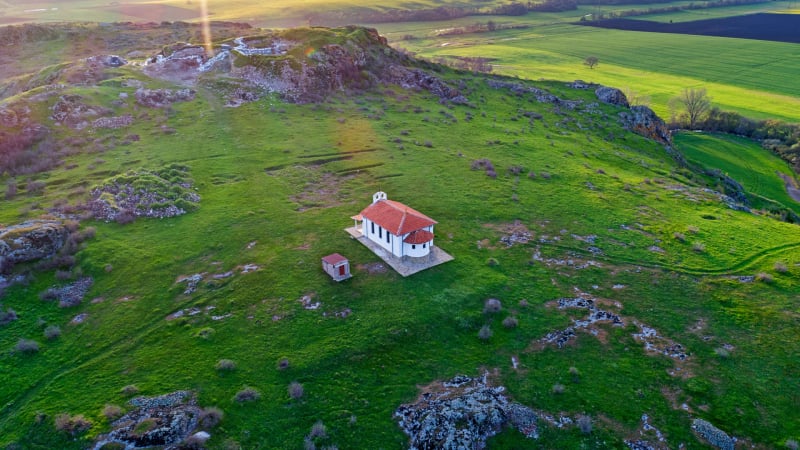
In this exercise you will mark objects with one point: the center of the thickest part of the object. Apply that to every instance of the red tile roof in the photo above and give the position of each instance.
(418, 237)
(396, 217)
(334, 259)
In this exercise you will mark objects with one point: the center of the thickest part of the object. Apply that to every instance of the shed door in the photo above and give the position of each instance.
(341, 270)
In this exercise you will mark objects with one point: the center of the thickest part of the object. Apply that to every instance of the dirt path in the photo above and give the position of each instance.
(791, 187)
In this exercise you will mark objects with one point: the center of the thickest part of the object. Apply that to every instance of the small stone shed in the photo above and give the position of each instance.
(337, 266)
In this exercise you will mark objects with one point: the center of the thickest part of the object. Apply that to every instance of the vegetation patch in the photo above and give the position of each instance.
(157, 194)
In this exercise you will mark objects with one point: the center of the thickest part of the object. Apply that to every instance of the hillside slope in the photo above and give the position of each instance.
(628, 293)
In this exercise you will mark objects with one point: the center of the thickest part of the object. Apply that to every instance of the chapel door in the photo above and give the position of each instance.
(341, 270)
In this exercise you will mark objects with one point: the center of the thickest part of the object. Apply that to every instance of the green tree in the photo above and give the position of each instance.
(591, 61)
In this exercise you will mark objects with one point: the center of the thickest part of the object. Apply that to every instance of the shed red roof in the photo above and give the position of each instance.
(418, 237)
(334, 259)
(396, 217)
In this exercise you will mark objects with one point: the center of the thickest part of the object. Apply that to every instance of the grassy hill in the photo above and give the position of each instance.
(609, 214)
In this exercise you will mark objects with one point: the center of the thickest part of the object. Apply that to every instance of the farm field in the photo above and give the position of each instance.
(767, 27)
(746, 76)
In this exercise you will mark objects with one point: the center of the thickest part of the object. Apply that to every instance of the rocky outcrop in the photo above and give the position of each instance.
(713, 435)
(166, 420)
(612, 96)
(30, 241)
(642, 120)
(161, 98)
(462, 413)
(70, 110)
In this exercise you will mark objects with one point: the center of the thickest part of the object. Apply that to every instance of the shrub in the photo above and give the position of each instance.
(283, 364)
(210, 417)
(52, 332)
(692, 229)
(575, 373)
(7, 317)
(722, 352)
(11, 189)
(492, 262)
(558, 388)
(545, 175)
(27, 346)
(295, 390)
(679, 236)
(225, 364)
(764, 277)
(112, 412)
(492, 305)
(247, 394)
(318, 430)
(206, 333)
(485, 333)
(698, 247)
(780, 267)
(130, 389)
(585, 424)
(72, 424)
(510, 322)
(531, 175)
(523, 303)
(308, 444)
(791, 444)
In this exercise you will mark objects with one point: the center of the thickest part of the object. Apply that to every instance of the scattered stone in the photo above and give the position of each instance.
(80, 318)
(658, 344)
(71, 294)
(166, 420)
(247, 268)
(161, 98)
(191, 282)
(224, 316)
(113, 122)
(307, 303)
(713, 435)
(219, 276)
(462, 414)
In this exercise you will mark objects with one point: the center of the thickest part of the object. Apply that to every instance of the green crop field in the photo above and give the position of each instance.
(750, 77)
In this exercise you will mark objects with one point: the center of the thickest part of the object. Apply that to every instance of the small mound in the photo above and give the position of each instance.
(164, 193)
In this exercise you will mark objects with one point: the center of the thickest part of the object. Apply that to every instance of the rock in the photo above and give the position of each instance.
(161, 98)
(713, 435)
(462, 413)
(612, 96)
(31, 240)
(166, 420)
(642, 120)
(71, 294)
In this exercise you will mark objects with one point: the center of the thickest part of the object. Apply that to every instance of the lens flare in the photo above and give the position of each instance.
(206, 28)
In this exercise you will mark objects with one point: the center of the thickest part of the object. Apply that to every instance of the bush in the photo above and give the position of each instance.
(585, 424)
(679, 236)
(112, 412)
(492, 262)
(27, 346)
(225, 364)
(295, 390)
(130, 389)
(52, 332)
(73, 425)
(558, 388)
(485, 333)
(318, 430)
(247, 394)
(210, 417)
(7, 317)
(576, 374)
(780, 267)
(698, 247)
(722, 352)
(764, 277)
(692, 229)
(283, 364)
(545, 175)
(492, 305)
(510, 322)
(791, 444)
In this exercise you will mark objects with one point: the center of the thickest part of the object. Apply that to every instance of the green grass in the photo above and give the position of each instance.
(750, 77)
(744, 161)
(407, 332)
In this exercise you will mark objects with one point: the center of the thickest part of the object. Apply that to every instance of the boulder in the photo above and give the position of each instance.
(31, 240)
(612, 96)
(642, 120)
